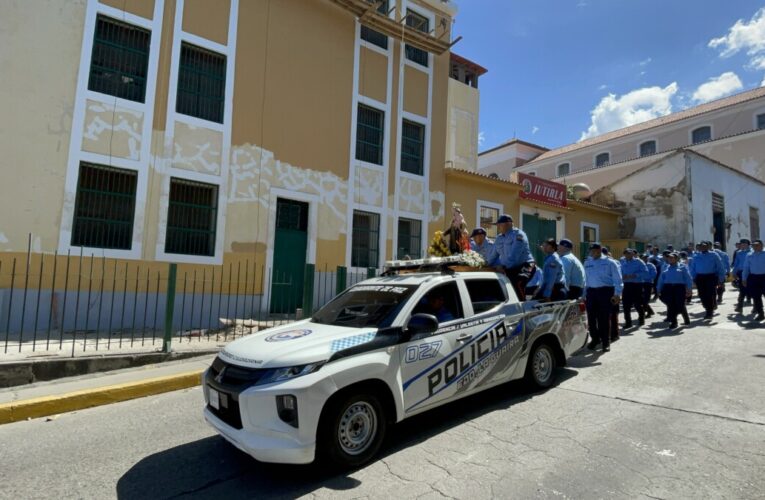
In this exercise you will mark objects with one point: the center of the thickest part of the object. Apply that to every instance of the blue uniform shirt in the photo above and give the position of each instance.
(484, 250)
(573, 270)
(636, 268)
(552, 274)
(675, 275)
(511, 249)
(536, 279)
(707, 263)
(755, 264)
(738, 261)
(651, 273)
(603, 272)
(725, 260)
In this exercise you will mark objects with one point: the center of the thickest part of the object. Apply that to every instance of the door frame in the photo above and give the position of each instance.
(312, 231)
(560, 225)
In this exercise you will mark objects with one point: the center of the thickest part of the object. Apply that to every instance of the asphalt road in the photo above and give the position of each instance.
(678, 415)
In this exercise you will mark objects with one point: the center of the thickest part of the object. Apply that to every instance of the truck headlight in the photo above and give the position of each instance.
(280, 374)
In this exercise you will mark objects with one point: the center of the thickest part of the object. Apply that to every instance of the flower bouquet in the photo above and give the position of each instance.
(438, 247)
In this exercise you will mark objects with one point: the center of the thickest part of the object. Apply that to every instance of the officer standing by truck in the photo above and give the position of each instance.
(603, 291)
(708, 272)
(753, 277)
(553, 285)
(633, 275)
(572, 269)
(511, 250)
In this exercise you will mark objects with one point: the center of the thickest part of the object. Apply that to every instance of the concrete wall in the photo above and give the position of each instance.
(462, 123)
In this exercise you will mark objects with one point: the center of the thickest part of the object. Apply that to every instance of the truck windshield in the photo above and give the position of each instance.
(365, 306)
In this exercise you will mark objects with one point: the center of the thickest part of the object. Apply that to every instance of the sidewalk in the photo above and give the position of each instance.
(76, 393)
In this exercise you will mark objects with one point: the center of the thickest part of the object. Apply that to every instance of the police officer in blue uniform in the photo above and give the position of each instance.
(511, 250)
(708, 272)
(753, 277)
(553, 285)
(674, 286)
(604, 289)
(481, 244)
(738, 270)
(726, 264)
(648, 280)
(633, 276)
(614, 316)
(573, 269)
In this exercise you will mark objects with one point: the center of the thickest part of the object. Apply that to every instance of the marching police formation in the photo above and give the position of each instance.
(605, 283)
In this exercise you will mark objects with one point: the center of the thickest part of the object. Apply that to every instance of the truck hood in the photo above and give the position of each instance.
(294, 344)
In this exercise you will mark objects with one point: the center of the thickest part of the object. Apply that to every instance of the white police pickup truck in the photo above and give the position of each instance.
(385, 349)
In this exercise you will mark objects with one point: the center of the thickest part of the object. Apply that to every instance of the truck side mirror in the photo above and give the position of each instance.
(421, 324)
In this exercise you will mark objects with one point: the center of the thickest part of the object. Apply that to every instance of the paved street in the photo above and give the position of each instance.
(678, 415)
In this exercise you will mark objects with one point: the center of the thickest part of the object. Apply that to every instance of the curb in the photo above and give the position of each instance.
(16, 411)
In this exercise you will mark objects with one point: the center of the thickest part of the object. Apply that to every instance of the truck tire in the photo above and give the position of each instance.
(352, 430)
(541, 366)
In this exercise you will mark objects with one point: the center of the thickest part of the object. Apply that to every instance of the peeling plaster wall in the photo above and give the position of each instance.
(655, 201)
(37, 108)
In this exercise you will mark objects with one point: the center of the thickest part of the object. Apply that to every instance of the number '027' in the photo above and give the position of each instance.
(422, 351)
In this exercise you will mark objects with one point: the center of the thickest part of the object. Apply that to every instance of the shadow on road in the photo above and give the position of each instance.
(213, 468)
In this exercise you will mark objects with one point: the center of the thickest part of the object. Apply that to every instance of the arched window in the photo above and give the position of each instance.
(564, 169)
(602, 159)
(648, 148)
(701, 134)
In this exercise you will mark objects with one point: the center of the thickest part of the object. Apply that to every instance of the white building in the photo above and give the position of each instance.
(685, 196)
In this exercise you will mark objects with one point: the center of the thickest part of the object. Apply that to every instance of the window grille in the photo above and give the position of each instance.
(488, 215)
(648, 148)
(365, 246)
(602, 159)
(409, 238)
(369, 135)
(420, 23)
(701, 134)
(120, 59)
(563, 169)
(412, 147)
(201, 83)
(104, 207)
(761, 121)
(192, 218)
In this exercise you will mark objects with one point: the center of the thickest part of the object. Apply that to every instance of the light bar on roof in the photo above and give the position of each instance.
(429, 261)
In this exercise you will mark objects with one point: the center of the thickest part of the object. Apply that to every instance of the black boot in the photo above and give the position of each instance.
(686, 319)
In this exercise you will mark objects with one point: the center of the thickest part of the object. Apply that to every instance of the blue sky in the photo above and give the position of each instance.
(553, 63)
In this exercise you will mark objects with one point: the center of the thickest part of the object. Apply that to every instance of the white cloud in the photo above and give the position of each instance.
(481, 138)
(645, 62)
(640, 105)
(717, 87)
(603, 87)
(745, 35)
(582, 3)
(534, 130)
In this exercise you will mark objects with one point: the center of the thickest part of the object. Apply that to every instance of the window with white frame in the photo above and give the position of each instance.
(201, 83)
(589, 233)
(120, 59)
(370, 134)
(420, 23)
(409, 238)
(375, 37)
(192, 216)
(602, 159)
(761, 121)
(365, 240)
(563, 169)
(648, 148)
(487, 216)
(701, 134)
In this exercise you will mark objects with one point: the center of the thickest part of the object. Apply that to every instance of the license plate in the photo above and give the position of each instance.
(214, 398)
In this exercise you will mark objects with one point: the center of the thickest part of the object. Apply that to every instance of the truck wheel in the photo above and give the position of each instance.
(352, 431)
(541, 366)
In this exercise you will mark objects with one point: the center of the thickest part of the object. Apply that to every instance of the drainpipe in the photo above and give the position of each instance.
(689, 187)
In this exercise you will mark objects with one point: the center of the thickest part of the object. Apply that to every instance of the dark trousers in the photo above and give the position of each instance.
(647, 288)
(720, 292)
(558, 293)
(633, 297)
(742, 290)
(598, 313)
(706, 284)
(519, 277)
(674, 296)
(575, 292)
(756, 288)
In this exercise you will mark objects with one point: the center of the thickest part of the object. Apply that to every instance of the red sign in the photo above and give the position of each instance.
(543, 190)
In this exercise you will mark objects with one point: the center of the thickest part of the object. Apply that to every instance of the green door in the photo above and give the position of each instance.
(290, 244)
(538, 230)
